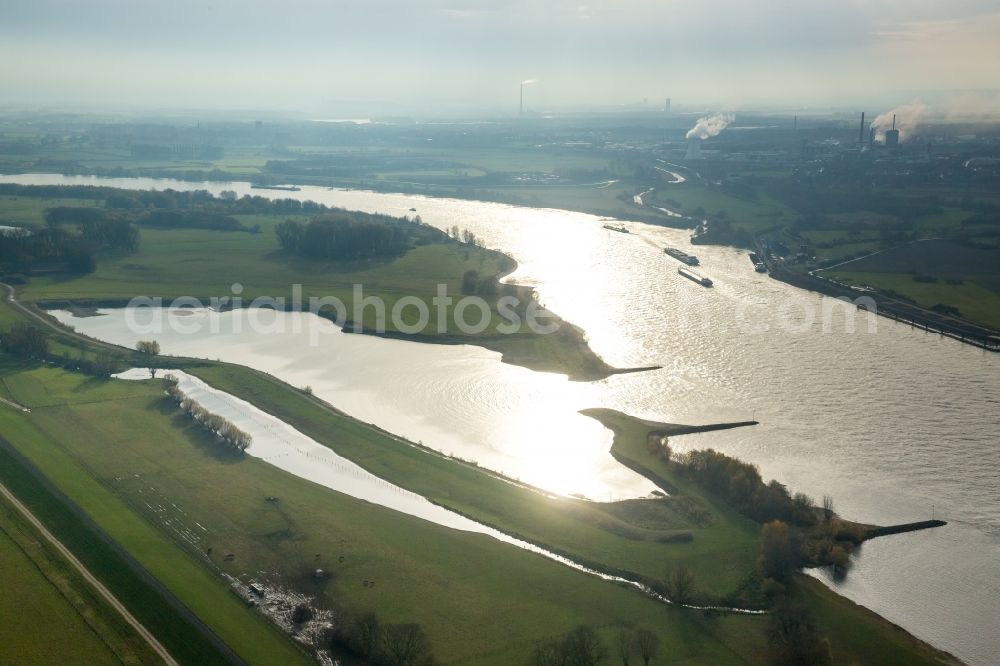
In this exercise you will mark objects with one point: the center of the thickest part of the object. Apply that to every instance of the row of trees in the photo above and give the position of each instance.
(25, 341)
(114, 227)
(464, 236)
(643, 644)
(223, 429)
(365, 636)
(139, 200)
(111, 233)
(792, 635)
(342, 236)
(23, 251)
(193, 219)
(583, 646)
(739, 484)
(32, 342)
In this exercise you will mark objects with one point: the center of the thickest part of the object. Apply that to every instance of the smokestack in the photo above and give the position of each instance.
(861, 130)
(694, 149)
(894, 121)
(526, 82)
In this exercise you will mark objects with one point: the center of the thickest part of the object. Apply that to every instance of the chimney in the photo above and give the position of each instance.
(694, 149)
(861, 130)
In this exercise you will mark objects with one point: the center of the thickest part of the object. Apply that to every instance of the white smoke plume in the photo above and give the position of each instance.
(528, 82)
(908, 119)
(973, 106)
(710, 125)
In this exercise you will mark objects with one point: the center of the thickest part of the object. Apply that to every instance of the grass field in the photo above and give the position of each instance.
(752, 215)
(611, 536)
(856, 634)
(30, 211)
(964, 277)
(477, 599)
(424, 573)
(33, 599)
(976, 302)
(845, 250)
(247, 634)
(105, 561)
(111, 446)
(205, 264)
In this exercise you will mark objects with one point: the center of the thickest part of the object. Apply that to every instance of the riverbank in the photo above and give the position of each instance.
(635, 536)
(205, 264)
(891, 308)
(837, 452)
(848, 626)
(570, 354)
(408, 558)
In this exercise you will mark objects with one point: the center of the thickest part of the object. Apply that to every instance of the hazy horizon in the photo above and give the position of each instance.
(313, 57)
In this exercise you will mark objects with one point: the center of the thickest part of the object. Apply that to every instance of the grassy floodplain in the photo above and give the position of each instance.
(424, 573)
(247, 634)
(933, 273)
(41, 590)
(82, 436)
(205, 264)
(746, 203)
(856, 634)
(427, 574)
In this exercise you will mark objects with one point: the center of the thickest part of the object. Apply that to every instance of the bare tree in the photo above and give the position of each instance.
(406, 645)
(827, 508)
(680, 583)
(367, 631)
(583, 647)
(105, 363)
(793, 637)
(626, 646)
(547, 653)
(648, 644)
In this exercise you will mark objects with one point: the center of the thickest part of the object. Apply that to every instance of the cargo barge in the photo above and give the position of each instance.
(758, 263)
(283, 188)
(695, 277)
(681, 256)
(620, 228)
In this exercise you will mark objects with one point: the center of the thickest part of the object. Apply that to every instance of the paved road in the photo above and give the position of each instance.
(12, 299)
(104, 592)
(11, 403)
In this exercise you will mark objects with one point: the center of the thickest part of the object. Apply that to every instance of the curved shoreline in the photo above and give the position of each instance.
(594, 368)
(475, 343)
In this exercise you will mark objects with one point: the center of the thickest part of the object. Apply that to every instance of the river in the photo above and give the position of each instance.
(893, 423)
(278, 444)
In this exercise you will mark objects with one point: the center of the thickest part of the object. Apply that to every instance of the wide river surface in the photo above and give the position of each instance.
(895, 424)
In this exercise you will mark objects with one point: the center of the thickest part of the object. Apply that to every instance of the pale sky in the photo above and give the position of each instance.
(311, 56)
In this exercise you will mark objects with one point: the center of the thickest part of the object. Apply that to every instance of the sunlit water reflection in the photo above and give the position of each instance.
(890, 424)
(458, 399)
